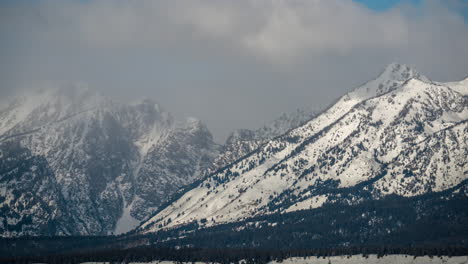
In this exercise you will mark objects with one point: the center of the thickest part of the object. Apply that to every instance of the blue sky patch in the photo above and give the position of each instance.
(382, 5)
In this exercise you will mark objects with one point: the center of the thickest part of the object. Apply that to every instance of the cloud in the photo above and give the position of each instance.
(305, 27)
(280, 30)
(231, 63)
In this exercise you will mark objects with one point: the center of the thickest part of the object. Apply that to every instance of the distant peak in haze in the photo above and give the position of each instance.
(72, 91)
(147, 102)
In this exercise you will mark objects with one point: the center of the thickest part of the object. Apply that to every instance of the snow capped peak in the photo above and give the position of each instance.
(56, 102)
(395, 67)
(193, 121)
(112, 162)
(65, 94)
(390, 79)
(397, 134)
(149, 112)
(401, 72)
(195, 126)
(74, 91)
(48, 104)
(148, 104)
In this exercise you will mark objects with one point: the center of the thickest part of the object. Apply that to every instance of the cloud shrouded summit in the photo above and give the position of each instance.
(231, 63)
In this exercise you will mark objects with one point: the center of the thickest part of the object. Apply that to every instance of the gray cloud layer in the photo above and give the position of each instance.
(230, 63)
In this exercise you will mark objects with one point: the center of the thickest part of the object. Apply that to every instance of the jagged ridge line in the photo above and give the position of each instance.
(32, 131)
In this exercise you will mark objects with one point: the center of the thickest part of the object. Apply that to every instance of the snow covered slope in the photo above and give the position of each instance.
(101, 163)
(374, 259)
(243, 141)
(354, 259)
(111, 164)
(397, 134)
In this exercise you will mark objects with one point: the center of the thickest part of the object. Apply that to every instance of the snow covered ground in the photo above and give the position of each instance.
(126, 222)
(355, 259)
(391, 259)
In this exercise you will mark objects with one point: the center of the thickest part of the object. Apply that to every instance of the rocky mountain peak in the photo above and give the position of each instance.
(110, 164)
(399, 134)
(393, 76)
(401, 72)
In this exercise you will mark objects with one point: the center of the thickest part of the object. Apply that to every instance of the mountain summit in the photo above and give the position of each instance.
(76, 163)
(399, 134)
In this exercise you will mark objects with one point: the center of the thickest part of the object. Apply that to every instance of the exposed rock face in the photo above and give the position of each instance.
(74, 162)
(30, 197)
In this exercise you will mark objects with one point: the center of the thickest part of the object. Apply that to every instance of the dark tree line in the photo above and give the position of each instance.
(188, 255)
(424, 225)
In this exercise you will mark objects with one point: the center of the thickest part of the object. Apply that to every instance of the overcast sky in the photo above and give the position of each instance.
(231, 63)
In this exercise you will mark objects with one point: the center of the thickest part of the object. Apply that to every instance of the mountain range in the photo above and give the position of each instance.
(76, 163)
(73, 162)
(399, 134)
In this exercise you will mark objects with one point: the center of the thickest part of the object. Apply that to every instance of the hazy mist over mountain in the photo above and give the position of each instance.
(232, 64)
